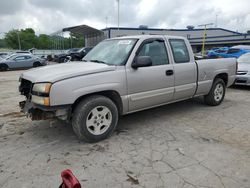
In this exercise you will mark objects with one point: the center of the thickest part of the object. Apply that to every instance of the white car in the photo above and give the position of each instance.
(243, 73)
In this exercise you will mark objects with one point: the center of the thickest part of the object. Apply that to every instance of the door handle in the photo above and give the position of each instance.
(169, 72)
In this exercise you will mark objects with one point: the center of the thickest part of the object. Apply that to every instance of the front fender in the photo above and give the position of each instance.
(67, 91)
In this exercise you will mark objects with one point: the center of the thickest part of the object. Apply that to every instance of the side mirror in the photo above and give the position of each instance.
(142, 61)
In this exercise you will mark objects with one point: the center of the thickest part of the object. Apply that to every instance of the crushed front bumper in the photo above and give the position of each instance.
(39, 112)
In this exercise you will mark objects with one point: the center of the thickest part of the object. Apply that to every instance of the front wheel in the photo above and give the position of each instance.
(217, 93)
(3, 67)
(95, 118)
(37, 64)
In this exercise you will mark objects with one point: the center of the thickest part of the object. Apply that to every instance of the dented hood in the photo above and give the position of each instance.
(53, 73)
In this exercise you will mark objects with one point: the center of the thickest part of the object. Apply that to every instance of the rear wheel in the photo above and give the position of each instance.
(95, 118)
(37, 64)
(217, 93)
(4, 67)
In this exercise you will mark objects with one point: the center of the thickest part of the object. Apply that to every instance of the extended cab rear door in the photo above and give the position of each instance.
(185, 70)
(153, 85)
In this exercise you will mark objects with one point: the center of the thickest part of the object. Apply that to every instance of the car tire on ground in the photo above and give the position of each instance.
(37, 64)
(4, 67)
(217, 93)
(95, 118)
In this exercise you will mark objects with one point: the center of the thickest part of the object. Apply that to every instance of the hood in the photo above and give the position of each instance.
(5, 61)
(53, 73)
(244, 67)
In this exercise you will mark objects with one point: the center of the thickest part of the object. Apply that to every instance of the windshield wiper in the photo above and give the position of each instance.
(97, 61)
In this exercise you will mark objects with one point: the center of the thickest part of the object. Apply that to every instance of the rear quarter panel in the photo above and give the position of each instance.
(208, 69)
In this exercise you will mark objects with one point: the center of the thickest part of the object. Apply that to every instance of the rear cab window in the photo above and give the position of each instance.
(179, 50)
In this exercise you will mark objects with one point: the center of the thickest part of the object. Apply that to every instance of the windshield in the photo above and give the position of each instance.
(10, 57)
(244, 58)
(111, 52)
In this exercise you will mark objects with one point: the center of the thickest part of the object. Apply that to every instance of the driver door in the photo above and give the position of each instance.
(153, 85)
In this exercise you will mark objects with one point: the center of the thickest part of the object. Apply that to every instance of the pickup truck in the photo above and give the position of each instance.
(120, 76)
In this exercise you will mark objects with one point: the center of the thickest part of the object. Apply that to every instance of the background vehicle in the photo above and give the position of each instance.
(22, 52)
(235, 52)
(17, 61)
(121, 76)
(225, 52)
(243, 73)
(3, 54)
(61, 57)
(77, 56)
(215, 52)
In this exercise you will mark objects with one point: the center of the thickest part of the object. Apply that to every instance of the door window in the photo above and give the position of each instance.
(20, 58)
(180, 51)
(27, 57)
(156, 50)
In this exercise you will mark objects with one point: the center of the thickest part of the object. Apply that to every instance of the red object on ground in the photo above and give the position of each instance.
(69, 180)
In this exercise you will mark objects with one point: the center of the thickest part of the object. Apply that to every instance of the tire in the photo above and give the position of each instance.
(37, 64)
(4, 67)
(61, 60)
(216, 94)
(95, 118)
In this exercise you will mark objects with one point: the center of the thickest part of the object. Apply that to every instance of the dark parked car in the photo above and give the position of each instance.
(77, 56)
(60, 58)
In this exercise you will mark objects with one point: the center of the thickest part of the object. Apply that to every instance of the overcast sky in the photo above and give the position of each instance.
(47, 16)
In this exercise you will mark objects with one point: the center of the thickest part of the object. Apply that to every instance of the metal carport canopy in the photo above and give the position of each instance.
(84, 30)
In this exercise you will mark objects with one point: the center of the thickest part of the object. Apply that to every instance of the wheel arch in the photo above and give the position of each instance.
(38, 63)
(4, 65)
(223, 76)
(111, 94)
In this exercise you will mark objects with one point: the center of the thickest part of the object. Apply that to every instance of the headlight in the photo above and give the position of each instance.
(40, 93)
(40, 100)
(42, 88)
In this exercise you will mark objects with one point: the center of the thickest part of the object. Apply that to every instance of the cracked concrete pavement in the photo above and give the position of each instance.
(182, 145)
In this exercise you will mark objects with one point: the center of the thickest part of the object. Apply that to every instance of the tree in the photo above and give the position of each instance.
(43, 42)
(27, 38)
(11, 39)
(2, 43)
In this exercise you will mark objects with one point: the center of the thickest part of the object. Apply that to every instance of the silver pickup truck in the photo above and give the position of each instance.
(120, 76)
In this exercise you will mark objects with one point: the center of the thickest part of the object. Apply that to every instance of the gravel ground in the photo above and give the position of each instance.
(186, 144)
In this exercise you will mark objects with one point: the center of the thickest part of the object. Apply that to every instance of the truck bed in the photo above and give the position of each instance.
(208, 68)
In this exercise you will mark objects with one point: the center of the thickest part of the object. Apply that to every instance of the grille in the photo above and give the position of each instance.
(241, 81)
(25, 87)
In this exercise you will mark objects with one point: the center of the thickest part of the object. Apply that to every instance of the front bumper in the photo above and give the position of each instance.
(39, 112)
(242, 80)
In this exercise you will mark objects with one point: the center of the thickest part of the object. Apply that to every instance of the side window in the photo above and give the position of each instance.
(20, 58)
(27, 57)
(156, 50)
(180, 51)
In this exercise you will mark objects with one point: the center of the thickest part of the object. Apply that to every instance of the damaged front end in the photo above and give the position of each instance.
(37, 103)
